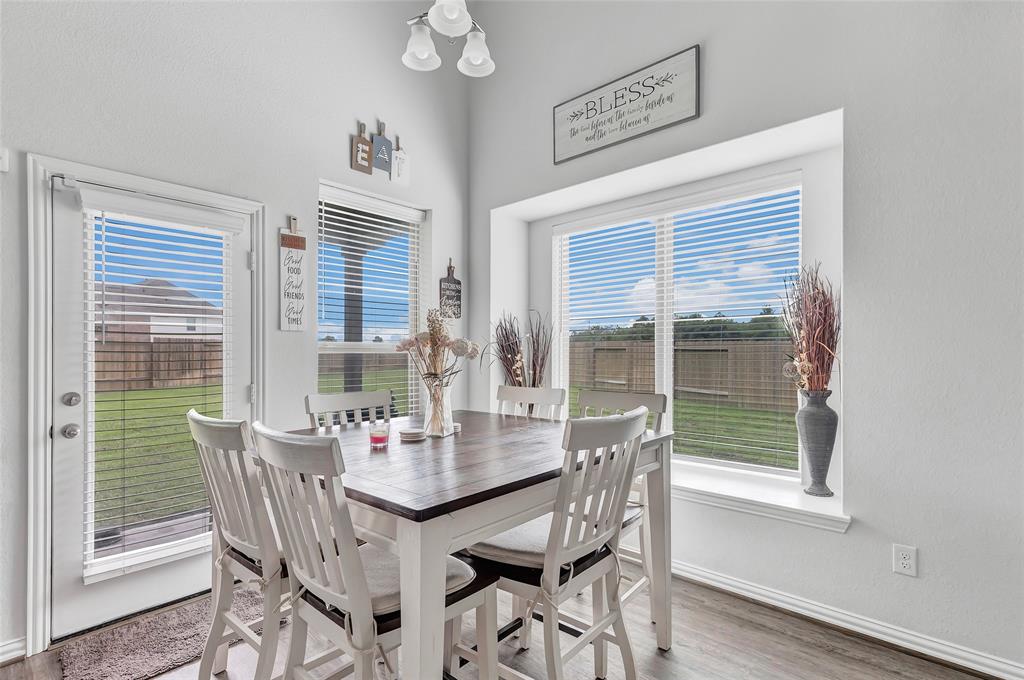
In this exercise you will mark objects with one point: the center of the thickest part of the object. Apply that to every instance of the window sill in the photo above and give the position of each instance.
(756, 493)
(118, 565)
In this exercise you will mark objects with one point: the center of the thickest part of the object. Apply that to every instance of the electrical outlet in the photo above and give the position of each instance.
(904, 559)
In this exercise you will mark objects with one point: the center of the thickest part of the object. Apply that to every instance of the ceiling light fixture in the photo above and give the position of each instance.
(449, 18)
(476, 58)
(420, 54)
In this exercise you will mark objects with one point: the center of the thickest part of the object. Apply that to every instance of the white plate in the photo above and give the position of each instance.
(412, 435)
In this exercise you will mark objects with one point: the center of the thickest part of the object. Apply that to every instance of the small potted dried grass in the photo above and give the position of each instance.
(812, 317)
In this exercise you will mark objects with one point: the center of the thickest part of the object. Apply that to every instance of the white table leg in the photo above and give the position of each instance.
(422, 549)
(660, 516)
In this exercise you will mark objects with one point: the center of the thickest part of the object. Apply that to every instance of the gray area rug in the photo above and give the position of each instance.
(150, 644)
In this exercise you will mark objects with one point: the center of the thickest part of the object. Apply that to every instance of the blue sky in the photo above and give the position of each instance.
(385, 289)
(128, 252)
(732, 258)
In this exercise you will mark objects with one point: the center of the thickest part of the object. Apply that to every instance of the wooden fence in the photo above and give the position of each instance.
(157, 363)
(738, 373)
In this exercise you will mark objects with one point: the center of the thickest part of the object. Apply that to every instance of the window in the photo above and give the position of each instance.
(685, 298)
(368, 255)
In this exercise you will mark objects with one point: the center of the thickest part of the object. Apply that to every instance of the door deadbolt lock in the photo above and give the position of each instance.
(71, 399)
(71, 430)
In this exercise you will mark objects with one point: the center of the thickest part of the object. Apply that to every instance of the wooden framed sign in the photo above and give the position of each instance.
(653, 98)
(293, 280)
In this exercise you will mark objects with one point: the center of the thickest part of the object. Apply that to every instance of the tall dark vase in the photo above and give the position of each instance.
(817, 422)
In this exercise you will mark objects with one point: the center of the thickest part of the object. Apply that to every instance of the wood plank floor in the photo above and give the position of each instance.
(718, 636)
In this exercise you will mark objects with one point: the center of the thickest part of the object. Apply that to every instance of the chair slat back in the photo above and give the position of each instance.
(600, 461)
(303, 476)
(538, 402)
(225, 451)
(604, 402)
(343, 408)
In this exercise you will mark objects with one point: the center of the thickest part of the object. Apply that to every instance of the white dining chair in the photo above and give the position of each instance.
(553, 558)
(349, 593)
(244, 545)
(536, 402)
(637, 518)
(342, 408)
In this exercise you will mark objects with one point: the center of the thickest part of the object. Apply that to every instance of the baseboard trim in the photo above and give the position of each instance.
(12, 650)
(872, 628)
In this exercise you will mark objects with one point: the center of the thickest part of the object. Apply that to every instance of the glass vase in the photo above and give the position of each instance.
(437, 417)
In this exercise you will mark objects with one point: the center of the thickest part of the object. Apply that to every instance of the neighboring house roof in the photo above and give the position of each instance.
(134, 307)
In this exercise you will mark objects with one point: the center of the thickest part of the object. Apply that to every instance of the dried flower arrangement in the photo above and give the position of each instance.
(812, 318)
(436, 354)
(523, 357)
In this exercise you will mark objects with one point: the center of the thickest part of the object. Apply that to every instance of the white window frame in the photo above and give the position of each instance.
(664, 316)
(341, 194)
(41, 171)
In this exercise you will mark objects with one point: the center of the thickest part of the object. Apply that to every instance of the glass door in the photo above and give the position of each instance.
(151, 317)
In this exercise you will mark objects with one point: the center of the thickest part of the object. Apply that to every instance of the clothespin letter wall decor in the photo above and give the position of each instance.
(399, 165)
(362, 151)
(450, 294)
(381, 150)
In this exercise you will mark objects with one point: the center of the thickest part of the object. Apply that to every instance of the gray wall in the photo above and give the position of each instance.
(256, 100)
(932, 269)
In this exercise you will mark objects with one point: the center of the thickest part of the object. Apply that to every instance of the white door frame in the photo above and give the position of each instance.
(40, 171)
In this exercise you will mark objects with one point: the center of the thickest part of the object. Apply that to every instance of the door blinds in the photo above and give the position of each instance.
(157, 342)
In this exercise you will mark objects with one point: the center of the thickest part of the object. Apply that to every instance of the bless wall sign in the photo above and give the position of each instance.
(665, 93)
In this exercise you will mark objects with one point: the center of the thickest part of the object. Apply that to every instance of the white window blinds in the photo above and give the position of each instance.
(157, 343)
(698, 285)
(368, 259)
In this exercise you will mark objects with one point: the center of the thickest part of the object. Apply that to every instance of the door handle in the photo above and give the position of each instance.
(71, 430)
(71, 399)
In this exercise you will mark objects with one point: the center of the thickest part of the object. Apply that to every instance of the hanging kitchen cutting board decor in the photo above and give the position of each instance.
(450, 294)
(381, 150)
(362, 150)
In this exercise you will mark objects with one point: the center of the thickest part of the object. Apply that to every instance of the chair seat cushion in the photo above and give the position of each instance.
(382, 577)
(532, 575)
(526, 544)
(634, 513)
(521, 546)
(392, 620)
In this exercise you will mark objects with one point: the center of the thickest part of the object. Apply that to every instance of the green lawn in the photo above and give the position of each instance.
(146, 468)
(145, 464)
(394, 379)
(710, 430)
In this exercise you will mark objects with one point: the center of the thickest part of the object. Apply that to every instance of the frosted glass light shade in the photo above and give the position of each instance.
(450, 17)
(420, 54)
(476, 59)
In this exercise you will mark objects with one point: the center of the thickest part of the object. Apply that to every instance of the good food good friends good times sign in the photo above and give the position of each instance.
(655, 97)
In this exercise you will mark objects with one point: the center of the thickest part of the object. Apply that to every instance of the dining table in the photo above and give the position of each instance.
(428, 499)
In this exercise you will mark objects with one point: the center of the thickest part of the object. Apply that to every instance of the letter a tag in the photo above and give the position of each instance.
(381, 150)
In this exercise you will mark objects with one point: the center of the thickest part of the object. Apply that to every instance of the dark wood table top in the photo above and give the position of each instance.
(492, 456)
